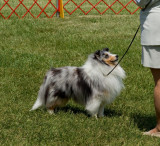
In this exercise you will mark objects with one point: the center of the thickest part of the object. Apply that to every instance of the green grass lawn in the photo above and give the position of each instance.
(29, 47)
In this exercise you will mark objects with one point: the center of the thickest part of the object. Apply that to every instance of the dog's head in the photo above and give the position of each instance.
(105, 57)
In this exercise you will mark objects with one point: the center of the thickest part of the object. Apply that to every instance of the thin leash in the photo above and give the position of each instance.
(126, 51)
(131, 41)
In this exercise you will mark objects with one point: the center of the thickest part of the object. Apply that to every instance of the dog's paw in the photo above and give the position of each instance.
(51, 112)
(100, 115)
(94, 116)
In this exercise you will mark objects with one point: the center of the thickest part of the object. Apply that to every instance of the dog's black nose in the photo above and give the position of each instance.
(117, 56)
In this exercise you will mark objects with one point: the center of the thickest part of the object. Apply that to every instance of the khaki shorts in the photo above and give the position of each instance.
(151, 56)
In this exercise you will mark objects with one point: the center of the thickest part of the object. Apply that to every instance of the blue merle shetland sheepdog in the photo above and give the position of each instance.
(88, 85)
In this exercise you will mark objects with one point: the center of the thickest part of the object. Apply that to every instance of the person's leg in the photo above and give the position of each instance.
(156, 77)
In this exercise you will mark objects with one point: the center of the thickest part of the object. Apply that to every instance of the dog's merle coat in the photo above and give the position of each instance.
(75, 85)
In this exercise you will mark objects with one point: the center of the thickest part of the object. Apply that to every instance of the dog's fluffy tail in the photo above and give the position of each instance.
(37, 104)
(41, 96)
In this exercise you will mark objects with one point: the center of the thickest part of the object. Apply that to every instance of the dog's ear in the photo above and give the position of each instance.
(106, 49)
(97, 53)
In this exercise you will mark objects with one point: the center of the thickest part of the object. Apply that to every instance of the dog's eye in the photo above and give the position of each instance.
(106, 55)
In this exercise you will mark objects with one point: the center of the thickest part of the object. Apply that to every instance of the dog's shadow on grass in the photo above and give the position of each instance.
(71, 109)
(77, 110)
(144, 122)
(111, 113)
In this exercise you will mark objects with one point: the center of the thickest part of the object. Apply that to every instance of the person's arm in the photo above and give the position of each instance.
(144, 3)
(154, 1)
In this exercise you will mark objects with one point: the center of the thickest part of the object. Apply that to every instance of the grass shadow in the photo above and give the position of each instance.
(77, 110)
(72, 109)
(111, 113)
(144, 122)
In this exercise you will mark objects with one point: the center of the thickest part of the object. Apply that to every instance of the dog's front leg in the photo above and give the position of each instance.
(92, 107)
(101, 110)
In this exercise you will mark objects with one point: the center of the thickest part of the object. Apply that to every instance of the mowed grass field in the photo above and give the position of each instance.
(29, 47)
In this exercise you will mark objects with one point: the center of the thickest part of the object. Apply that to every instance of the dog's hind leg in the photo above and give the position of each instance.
(56, 102)
(51, 105)
(51, 110)
(93, 106)
(101, 110)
